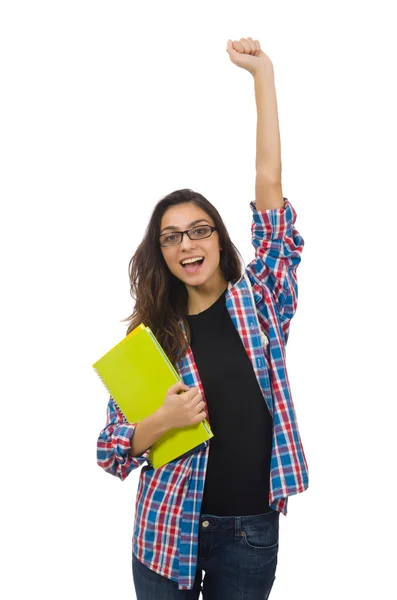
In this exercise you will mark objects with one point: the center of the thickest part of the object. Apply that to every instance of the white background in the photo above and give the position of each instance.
(105, 108)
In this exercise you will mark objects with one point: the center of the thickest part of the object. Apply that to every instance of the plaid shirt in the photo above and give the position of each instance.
(167, 510)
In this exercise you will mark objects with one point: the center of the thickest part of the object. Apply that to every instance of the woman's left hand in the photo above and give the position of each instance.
(247, 54)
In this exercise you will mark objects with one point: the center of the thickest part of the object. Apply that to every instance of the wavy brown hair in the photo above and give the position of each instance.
(161, 299)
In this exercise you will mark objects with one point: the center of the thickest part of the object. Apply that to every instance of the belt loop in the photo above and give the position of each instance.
(237, 527)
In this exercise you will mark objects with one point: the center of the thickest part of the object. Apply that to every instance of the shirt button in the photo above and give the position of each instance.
(205, 523)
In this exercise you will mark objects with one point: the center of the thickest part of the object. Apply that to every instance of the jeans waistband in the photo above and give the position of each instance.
(214, 523)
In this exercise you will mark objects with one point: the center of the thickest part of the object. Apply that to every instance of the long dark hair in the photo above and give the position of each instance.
(161, 298)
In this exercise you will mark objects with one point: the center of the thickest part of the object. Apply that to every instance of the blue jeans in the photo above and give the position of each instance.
(238, 555)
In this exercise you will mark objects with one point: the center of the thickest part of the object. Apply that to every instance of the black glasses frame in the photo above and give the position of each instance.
(187, 231)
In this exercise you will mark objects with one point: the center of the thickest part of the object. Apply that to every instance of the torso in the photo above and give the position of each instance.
(238, 415)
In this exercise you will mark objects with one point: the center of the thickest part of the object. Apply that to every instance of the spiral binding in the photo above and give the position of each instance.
(111, 395)
(118, 407)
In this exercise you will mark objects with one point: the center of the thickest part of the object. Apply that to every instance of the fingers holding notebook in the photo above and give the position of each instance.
(183, 409)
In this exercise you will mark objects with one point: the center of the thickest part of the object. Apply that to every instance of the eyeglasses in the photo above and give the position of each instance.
(175, 237)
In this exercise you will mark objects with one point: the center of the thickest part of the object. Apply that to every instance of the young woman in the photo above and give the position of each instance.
(216, 509)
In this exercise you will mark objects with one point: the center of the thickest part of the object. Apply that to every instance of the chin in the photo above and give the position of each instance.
(194, 281)
(197, 280)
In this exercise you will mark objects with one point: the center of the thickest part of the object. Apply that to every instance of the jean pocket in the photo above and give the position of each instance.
(257, 541)
(261, 536)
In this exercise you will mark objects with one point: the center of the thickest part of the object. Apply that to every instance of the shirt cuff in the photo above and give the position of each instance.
(273, 223)
(122, 436)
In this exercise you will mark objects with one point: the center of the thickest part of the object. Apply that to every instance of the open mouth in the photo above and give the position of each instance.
(192, 265)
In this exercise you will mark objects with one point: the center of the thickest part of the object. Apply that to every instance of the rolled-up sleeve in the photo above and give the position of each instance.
(114, 443)
(278, 248)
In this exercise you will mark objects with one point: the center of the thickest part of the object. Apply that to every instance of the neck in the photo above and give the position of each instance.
(203, 296)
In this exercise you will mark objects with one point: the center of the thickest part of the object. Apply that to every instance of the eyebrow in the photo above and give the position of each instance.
(192, 224)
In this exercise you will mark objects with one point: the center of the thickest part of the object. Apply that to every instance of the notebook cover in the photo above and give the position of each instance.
(137, 374)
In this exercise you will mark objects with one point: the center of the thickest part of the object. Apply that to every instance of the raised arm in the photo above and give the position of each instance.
(278, 245)
(248, 55)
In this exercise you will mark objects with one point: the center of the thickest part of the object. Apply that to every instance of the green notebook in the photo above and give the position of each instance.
(137, 375)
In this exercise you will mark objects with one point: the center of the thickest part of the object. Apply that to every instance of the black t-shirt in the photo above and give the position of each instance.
(238, 472)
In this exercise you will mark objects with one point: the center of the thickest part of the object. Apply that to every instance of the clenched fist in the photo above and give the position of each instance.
(247, 54)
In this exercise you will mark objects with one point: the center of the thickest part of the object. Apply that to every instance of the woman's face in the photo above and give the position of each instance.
(180, 218)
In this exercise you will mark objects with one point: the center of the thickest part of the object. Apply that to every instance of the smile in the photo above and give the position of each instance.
(191, 265)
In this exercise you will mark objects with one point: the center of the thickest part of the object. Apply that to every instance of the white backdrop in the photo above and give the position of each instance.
(105, 108)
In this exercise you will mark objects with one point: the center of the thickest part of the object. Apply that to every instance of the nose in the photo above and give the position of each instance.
(186, 242)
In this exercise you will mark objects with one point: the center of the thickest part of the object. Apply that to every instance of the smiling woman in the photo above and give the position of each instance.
(220, 504)
(197, 252)
(180, 268)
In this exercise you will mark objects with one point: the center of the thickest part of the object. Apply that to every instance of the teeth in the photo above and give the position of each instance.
(191, 260)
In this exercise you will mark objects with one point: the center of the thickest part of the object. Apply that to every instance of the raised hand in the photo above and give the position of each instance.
(247, 54)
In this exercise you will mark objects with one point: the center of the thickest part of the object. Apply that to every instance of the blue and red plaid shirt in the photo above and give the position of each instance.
(167, 510)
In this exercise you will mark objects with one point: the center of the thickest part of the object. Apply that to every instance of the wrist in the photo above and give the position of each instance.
(161, 419)
(264, 75)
